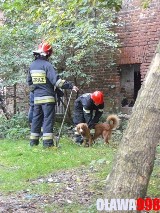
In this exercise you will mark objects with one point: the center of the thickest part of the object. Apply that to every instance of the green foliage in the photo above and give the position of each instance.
(15, 128)
(145, 3)
(117, 5)
(16, 44)
(79, 30)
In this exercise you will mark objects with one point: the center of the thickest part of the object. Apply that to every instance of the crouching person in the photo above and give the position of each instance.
(45, 79)
(88, 108)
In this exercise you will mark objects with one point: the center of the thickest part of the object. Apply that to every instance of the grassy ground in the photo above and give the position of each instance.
(68, 179)
(19, 162)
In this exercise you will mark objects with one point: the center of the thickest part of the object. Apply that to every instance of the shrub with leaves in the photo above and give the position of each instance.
(17, 127)
(78, 31)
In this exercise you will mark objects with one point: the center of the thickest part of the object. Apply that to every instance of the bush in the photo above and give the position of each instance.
(17, 127)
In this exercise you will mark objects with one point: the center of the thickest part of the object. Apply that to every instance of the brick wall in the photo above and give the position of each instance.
(107, 80)
(140, 34)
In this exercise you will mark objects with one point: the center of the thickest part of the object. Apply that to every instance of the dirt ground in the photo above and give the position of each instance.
(67, 188)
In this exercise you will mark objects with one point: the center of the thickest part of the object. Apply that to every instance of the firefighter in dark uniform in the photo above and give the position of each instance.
(43, 77)
(88, 108)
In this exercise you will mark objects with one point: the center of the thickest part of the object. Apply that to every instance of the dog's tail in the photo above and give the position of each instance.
(113, 121)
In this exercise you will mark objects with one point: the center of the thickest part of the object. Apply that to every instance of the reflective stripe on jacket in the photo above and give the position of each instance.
(44, 78)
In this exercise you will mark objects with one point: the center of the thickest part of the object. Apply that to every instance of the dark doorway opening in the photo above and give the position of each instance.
(137, 83)
(130, 80)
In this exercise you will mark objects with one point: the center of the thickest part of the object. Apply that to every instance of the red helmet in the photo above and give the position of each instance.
(44, 49)
(97, 97)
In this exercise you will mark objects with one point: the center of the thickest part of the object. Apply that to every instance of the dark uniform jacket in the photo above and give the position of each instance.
(45, 79)
(86, 111)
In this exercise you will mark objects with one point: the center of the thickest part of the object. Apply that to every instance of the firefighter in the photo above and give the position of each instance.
(88, 108)
(44, 79)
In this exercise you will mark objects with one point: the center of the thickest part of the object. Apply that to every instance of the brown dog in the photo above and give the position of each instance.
(82, 129)
(105, 129)
(102, 129)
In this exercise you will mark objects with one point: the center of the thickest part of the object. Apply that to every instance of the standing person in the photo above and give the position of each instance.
(84, 108)
(45, 79)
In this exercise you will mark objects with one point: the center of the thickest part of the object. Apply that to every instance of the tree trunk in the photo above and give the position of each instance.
(135, 157)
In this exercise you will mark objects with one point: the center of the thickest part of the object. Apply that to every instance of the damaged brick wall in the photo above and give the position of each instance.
(140, 33)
